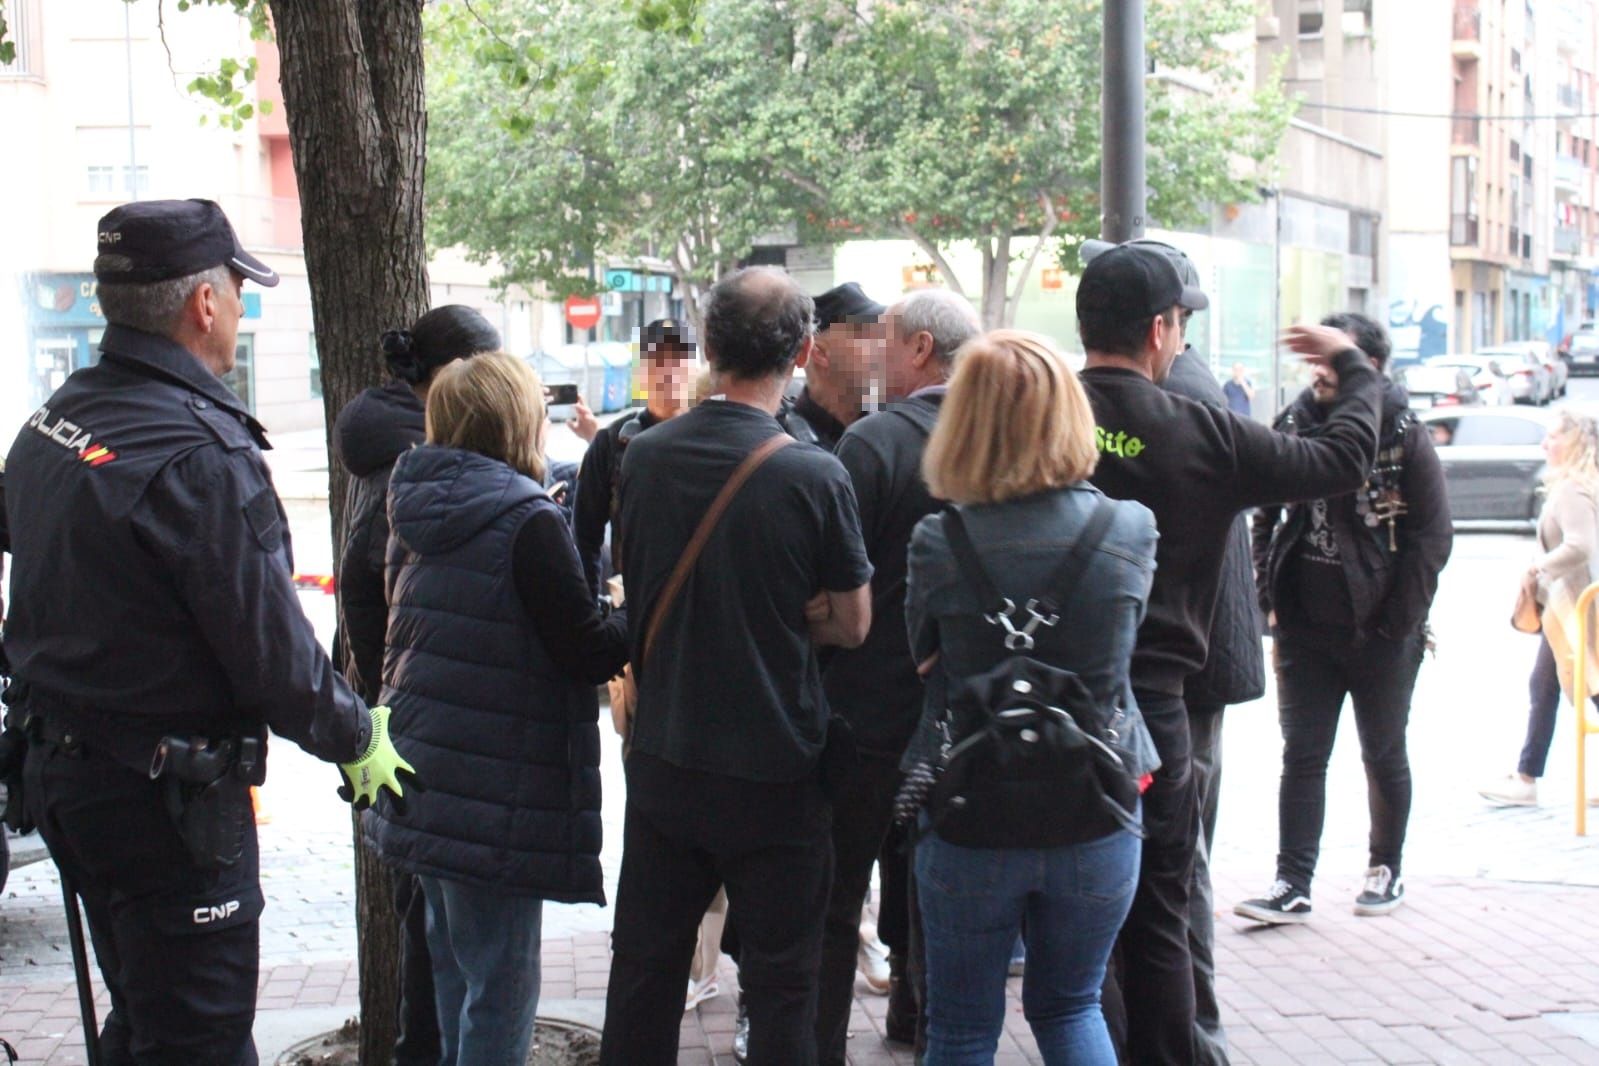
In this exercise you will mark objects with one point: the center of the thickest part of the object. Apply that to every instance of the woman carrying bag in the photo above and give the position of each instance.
(1568, 561)
(1023, 601)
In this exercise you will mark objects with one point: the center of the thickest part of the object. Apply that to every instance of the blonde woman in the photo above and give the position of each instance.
(493, 652)
(1568, 561)
(1013, 449)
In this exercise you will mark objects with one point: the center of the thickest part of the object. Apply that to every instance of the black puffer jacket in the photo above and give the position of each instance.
(508, 745)
(369, 434)
(1391, 580)
(1235, 666)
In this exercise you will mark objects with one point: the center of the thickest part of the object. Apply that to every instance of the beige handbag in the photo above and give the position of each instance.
(623, 688)
(1527, 615)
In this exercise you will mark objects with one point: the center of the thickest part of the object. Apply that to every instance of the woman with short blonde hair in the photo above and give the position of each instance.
(1567, 562)
(1016, 421)
(494, 649)
(1014, 445)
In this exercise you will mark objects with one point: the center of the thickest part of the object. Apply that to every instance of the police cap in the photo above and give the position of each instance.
(666, 336)
(155, 240)
(846, 303)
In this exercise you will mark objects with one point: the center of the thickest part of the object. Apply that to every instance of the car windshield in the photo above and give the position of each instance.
(1432, 379)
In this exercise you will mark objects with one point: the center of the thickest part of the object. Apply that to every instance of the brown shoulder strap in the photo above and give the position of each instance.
(702, 534)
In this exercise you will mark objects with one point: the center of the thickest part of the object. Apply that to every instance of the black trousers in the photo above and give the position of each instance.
(1543, 687)
(1315, 672)
(418, 1043)
(1204, 731)
(862, 811)
(178, 946)
(1149, 999)
(686, 833)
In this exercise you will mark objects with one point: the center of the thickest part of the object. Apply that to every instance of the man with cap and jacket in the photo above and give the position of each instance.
(667, 360)
(1196, 467)
(837, 381)
(156, 637)
(1234, 672)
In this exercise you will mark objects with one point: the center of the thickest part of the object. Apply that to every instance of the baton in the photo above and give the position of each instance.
(80, 970)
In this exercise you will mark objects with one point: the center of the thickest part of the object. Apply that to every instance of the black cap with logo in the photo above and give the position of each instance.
(846, 303)
(666, 334)
(156, 240)
(1133, 281)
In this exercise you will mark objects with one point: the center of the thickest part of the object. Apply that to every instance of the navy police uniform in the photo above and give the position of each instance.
(152, 597)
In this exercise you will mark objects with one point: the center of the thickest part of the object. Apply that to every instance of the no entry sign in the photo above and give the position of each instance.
(582, 312)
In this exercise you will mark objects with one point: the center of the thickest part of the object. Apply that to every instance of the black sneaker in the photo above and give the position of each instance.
(1283, 904)
(741, 1032)
(1383, 892)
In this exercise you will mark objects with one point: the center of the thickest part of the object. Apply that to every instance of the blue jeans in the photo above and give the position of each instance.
(485, 948)
(973, 903)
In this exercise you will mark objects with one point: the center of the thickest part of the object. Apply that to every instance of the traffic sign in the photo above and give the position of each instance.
(582, 312)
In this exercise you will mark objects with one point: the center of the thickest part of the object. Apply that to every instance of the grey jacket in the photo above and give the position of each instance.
(1021, 542)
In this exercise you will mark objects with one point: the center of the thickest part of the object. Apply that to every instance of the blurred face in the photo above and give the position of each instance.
(1323, 383)
(669, 379)
(1168, 338)
(223, 308)
(857, 363)
(1557, 448)
(900, 350)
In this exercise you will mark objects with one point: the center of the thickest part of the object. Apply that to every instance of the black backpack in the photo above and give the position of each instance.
(1030, 759)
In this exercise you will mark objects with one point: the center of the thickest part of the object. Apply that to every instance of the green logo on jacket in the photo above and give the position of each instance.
(1118, 444)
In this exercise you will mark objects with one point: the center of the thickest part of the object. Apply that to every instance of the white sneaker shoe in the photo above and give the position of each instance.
(700, 991)
(1511, 791)
(872, 959)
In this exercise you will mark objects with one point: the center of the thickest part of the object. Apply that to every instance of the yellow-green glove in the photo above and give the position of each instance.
(379, 767)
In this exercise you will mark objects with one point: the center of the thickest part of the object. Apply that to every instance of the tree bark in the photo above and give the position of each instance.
(352, 75)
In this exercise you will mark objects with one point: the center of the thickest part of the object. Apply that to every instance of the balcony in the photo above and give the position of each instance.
(1466, 132)
(1468, 32)
(1568, 172)
(1462, 230)
(1570, 98)
(1568, 242)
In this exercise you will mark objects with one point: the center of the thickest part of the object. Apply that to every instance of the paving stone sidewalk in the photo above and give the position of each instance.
(1470, 971)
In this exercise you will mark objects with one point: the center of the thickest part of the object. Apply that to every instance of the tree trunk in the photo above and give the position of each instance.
(353, 96)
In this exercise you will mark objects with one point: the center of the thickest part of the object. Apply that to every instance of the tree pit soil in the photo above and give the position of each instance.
(554, 1044)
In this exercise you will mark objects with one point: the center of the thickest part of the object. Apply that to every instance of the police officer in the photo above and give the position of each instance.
(156, 636)
(667, 360)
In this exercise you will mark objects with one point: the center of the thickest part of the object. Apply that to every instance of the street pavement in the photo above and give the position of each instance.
(1494, 958)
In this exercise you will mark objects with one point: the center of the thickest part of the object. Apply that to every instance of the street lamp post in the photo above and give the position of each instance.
(1121, 174)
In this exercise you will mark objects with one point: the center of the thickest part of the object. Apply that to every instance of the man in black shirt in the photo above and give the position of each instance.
(666, 356)
(1196, 468)
(724, 772)
(838, 376)
(876, 686)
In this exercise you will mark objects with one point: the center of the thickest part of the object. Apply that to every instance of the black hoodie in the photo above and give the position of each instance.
(368, 436)
(1391, 574)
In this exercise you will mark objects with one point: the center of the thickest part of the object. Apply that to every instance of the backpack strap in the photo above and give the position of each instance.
(997, 607)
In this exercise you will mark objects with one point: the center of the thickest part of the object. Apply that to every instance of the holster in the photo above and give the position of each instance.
(207, 792)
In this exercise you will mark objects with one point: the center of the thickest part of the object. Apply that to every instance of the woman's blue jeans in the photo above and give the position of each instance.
(485, 949)
(974, 901)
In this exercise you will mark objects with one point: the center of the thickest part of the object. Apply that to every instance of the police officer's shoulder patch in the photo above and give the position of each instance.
(264, 518)
(229, 430)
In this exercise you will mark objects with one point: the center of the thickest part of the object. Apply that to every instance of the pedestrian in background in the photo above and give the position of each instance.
(493, 653)
(1240, 392)
(372, 431)
(154, 624)
(876, 687)
(727, 536)
(1567, 562)
(1347, 581)
(1012, 451)
(1196, 468)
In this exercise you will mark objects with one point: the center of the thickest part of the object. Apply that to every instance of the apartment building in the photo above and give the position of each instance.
(1575, 218)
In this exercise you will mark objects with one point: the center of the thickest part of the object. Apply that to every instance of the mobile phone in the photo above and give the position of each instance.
(561, 394)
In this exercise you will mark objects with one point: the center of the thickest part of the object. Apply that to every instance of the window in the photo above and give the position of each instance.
(1310, 18)
(112, 182)
(19, 31)
(1463, 200)
(316, 366)
(116, 166)
(241, 379)
(1490, 431)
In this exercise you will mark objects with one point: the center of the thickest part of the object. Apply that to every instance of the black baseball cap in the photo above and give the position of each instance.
(846, 303)
(1135, 280)
(156, 240)
(666, 333)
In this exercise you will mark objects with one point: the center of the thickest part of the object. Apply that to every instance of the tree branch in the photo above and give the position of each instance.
(1051, 220)
(937, 257)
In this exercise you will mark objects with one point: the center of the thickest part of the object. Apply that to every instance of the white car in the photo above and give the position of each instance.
(1559, 373)
(1530, 381)
(1492, 383)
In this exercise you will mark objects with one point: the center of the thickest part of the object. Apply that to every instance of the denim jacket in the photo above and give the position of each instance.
(1021, 542)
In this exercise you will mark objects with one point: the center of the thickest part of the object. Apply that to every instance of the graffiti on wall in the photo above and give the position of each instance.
(1423, 336)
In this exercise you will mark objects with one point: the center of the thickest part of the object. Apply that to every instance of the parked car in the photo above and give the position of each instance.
(1440, 386)
(1493, 461)
(1558, 372)
(1584, 352)
(1486, 374)
(1530, 380)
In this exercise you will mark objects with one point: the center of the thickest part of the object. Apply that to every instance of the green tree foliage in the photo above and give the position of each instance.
(561, 128)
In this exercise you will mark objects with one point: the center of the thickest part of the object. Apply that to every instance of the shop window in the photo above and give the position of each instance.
(241, 379)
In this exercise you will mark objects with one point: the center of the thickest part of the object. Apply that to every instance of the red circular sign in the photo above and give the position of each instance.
(582, 312)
